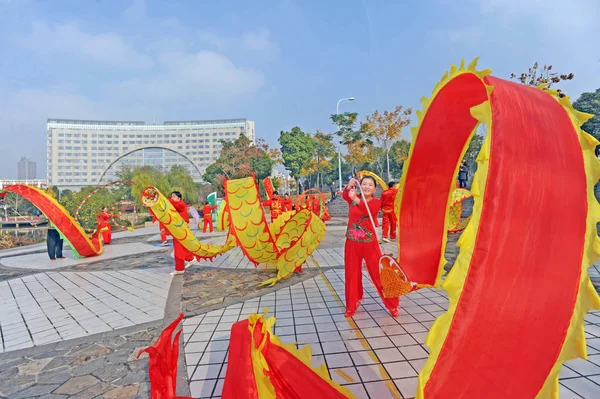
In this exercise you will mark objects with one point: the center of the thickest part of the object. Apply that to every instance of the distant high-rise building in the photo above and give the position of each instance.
(26, 169)
(85, 153)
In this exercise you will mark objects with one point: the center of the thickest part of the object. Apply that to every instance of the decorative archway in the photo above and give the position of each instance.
(146, 148)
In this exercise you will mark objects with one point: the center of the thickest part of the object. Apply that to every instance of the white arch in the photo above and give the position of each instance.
(143, 148)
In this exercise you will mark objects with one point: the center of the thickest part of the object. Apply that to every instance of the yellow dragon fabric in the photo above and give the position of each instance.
(285, 246)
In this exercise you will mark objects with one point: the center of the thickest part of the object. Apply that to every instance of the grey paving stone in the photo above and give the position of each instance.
(58, 376)
(111, 372)
(93, 392)
(90, 367)
(36, 390)
(77, 384)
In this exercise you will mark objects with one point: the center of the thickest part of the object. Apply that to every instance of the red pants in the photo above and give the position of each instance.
(207, 223)
(389, 225)
(163, 232)
(107, 236)
(354, 254)
(181, 255)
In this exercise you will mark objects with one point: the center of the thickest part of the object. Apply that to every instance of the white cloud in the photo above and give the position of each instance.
(107, 48)
(259, 42)
(205, 76)
(213, 39)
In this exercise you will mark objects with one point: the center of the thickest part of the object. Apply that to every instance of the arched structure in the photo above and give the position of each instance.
(152, 162)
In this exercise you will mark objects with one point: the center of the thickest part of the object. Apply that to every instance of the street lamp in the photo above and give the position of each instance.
(337, 111)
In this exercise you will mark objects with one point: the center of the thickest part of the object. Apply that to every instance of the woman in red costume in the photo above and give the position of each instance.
(287, 203)
(361, 244)
(181, 254)
(276, 205)
(207, 216)
(103, 220)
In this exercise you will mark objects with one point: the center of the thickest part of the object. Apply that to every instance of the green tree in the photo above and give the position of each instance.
(239, 159)
(346, 130)
(398, 154)
(386, 129)
(148, 176)
(296, 150)
(590, 103)
(324, 151)
(473, 150)
(92, 207)
(180, 180)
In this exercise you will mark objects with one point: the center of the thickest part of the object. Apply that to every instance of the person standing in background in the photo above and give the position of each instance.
(463, 174)
(104, 225)
(387, 208)
(207, 216)
(276, 205)
(287, 203)
(54, 243)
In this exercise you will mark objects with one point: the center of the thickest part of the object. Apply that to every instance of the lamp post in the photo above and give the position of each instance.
(337, 111)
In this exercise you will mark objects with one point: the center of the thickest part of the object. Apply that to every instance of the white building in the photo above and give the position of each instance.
(81, 153)
(11, 182)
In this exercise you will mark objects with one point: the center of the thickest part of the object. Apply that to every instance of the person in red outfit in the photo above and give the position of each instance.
(207, 216)
(387, 208)
(104, 225)
(316, 205)
(163, 231)
(361, 244)
(287, 203)
(276, 205)
(181, 254)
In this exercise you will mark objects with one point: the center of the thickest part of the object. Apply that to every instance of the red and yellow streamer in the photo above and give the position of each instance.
(81, 244)
(519, 288)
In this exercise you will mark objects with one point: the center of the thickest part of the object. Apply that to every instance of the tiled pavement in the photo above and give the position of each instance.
(49, 307)
(373, 354)
(40, 261)
(235, 259)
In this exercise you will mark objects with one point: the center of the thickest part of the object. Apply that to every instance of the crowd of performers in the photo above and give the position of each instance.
(362, 243)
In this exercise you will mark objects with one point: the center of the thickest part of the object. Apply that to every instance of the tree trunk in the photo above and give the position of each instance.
(387, 158)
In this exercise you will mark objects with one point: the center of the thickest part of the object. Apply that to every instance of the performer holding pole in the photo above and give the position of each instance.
(362, 244)
(181, 254)
(104, 225)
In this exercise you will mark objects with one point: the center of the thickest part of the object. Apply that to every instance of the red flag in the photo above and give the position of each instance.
(268, 187)
(163, 363)
(260, 366)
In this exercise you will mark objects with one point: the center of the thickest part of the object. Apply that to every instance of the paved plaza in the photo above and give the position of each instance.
(74, 330)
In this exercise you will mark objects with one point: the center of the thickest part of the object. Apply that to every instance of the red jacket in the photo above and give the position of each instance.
(207, 211)
(360, 228)
(276, 205)
(181, 208)
(287, 205)
(387, 200)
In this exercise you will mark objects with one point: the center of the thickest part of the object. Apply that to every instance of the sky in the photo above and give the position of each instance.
(281, 63)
